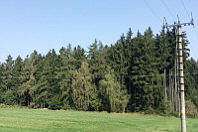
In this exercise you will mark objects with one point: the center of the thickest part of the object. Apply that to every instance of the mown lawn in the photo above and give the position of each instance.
(39, 120)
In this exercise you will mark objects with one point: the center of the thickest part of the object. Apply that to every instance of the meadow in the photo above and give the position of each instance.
(41, 120)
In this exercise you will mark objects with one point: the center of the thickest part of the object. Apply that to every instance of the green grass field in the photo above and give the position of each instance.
(39, 120)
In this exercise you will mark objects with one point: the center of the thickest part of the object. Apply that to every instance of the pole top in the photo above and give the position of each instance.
(178, 23)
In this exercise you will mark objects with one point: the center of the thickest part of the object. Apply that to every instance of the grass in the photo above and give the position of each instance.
(41, 120)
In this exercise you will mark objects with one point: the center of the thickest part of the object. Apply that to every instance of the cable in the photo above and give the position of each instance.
(167, 8)
(188, 14)
(152, 11)
(183, 4)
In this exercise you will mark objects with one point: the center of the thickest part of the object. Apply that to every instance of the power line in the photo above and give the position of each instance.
(188, 14)
(183, 4)
(152, 11)
(168, 9)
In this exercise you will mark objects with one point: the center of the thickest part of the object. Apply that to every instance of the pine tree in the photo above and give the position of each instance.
(83, 92)
(97, 59)
(64, 74)
(30, 75)
(47, 88)
(1, 83)
(9, 96)
(96, 62)
(144, 72)
(114, 95)
(17, 69)
(79, 56)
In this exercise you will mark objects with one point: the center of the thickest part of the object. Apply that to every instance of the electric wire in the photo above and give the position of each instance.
(168, 9)
(152, 11)
(183, 4)
(188, 14)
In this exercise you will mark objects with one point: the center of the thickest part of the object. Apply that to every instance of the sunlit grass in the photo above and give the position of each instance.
(37, 120)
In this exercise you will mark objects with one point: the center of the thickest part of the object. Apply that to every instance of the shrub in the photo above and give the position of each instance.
(10, 97)
(7, 106)
(55, 103)
(191, 109)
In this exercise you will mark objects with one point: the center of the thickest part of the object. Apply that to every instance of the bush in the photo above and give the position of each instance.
(54, 103)
(7, 106)
(1, 99)
(191, 109)
(149, 110)
(3, 106)
(166, 108)
(10, 97)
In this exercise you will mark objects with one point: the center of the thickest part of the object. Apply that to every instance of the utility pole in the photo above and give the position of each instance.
(178, 26)
(175, 79)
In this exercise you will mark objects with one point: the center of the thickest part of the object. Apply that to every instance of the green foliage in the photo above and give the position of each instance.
(64, 75)
(83, 93)
(134, 74)
(191, 78)
(7, 106)
(144, 73)
(55, 103)
(113, 93)
(9, 97)
(166, 108)
(191, 109)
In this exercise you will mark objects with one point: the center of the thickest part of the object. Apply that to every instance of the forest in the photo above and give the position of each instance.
(136, 74)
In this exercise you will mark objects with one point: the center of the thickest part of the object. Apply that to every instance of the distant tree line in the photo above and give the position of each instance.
(136, 74)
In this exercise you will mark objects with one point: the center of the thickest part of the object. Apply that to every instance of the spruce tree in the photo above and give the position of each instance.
(114, 95)
(83, 92)
(64, 74)
(144, 72)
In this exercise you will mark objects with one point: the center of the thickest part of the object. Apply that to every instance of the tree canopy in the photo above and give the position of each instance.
(135, 74)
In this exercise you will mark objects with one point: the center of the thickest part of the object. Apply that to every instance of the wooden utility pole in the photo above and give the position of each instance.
(181, 79)
(175, 79)
(178, 26)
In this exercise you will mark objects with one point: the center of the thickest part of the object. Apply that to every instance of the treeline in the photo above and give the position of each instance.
(137, 73)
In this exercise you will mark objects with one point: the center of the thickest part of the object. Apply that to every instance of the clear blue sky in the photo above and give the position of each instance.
(27, 25)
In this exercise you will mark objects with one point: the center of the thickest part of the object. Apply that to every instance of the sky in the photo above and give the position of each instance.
(28, 25)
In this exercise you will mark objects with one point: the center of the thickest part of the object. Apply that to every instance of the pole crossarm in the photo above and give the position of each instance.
(178, 23)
